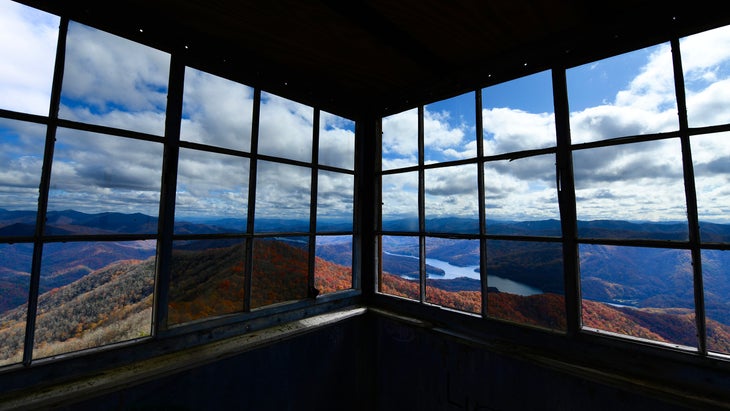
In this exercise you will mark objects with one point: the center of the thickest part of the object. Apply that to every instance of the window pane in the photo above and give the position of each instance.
(216, 111)
(108, 176)
(400, 140)
(21, 163)
(631, 191)
(285, 128)
(280, 270)
(518, 115)
(400, 202)
(207, 279)
(716, 280)
(706, 66)
(28, 40)
(449, 129)
(628, 94)
(525, 283)
(283, 197)
(453, 274)
(452, 204)
(93, 294)
(335, 201)
(114, 82)
(521, 197)
(15, 262)
(212, 193)
(333, 265)
(711, 157)
(639, 292)
(336, 141)
(400, 267)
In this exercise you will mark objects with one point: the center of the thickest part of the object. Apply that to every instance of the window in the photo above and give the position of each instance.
(249, 206)
(436, 238)
(644, 199)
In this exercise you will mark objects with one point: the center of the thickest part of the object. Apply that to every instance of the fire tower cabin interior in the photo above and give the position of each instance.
(364, 205)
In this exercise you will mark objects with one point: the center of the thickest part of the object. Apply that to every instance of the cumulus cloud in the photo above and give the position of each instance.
(28, 40)
(96, 173)
(114, 82)
(335, 195)
(216, 111)
(285, 128)
(211, 184)
(336, 141)
(452, 191)
(507, 130)
(283, 191)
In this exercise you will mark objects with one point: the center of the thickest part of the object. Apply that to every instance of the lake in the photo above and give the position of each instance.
(452, 271)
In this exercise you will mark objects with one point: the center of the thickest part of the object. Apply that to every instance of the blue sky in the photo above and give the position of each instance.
(623, 95)
(627, 94)
(113, 82)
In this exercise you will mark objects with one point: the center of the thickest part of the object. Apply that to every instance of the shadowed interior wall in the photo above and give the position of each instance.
(373, 362)
(321, 370)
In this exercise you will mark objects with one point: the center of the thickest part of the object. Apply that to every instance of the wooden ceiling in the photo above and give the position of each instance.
(383, 56)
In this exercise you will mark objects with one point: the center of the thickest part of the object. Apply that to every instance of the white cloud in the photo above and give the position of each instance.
(336, 141)
(285, 128)
(112, 81)
(283, 191)
(96, 173)
(28, 40)
(508, 130)
(400, 135)
(335, 195)
(216, 111)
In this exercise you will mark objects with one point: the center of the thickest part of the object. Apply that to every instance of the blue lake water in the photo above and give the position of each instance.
(452, 271)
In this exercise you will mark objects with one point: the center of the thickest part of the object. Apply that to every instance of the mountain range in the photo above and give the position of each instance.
(93, 293)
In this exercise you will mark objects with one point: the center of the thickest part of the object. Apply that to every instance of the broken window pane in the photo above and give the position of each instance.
(453, 279)
(333, 263)
(449, 129)
(285, 128)
(336, 141)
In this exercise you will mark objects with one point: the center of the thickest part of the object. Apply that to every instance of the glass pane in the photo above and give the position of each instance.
(28, 40)
(335, 201)
(453, 274)
(212, 193)
(525, 283)
(21, 163)
(283, 197)
(207, 279)
(706, 66)
(631, 191)
(400, 202)
(280, 270)
(628, 94)
(400, 140)
(333, 265)
(216, 111)
(116, 179)
(336, 141)
(452, 201)
(93, 294)
(521, 197)
(15, 263)
(711, 157)
(285, 128)
(639, 292)
(716, 281)
(449, 129)
(519, 115)
(400, 267)
(114, 82)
